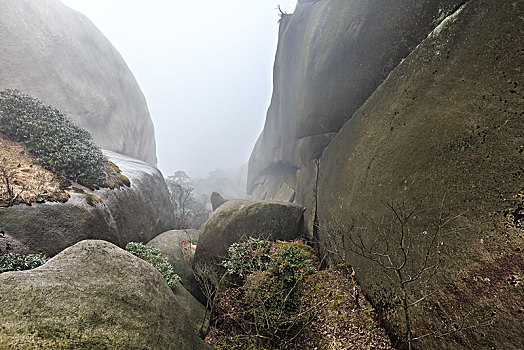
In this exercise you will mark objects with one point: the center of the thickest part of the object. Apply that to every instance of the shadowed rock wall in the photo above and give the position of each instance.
(443, 133)
(331, 56)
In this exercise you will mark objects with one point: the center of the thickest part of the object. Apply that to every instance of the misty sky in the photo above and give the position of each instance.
(205, 68)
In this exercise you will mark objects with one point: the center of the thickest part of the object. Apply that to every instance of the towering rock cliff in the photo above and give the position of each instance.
(332, 55)
(416, 102)
(51, 52)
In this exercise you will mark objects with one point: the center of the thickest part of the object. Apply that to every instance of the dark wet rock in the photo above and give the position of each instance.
(217, 200)
(443, 131)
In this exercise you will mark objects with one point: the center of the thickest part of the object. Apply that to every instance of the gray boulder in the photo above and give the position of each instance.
(241, 219)
(51, 52)
(194, 310)
(92, 295)
(137, 213)
(169, 244)
(217, 200)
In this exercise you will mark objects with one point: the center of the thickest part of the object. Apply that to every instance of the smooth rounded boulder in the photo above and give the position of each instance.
(240, 219)
(92, 295)
(56, 54)
(129, 214)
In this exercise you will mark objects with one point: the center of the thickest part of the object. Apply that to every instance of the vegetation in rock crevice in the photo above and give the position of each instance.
(154, 257)
(274, 297)
(21, 262)
(35, 137)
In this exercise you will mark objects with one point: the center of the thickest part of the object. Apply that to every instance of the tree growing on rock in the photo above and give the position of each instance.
(404, 255)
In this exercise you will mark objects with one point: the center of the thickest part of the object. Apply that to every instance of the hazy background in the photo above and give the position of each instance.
(205, 68)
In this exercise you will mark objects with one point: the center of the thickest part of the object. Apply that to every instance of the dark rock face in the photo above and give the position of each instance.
(216, 200)
(137, 213)
(92, 295)
(238, 219)
(56, 54)
(169, 244)
(332, 55)
(443, 130)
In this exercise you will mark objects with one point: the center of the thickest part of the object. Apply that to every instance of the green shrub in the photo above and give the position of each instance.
(270, 297)
(248, 257)
(59, 145)
(274, 293)
(154, 257)
(20, 262)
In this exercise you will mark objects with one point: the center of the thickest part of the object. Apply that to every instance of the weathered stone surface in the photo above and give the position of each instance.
(137, 213)
(216, 200)
(56, 54)
(169, 244)
(331, 56)
(194, 310)
(92, 295)
(444, 129)
(238, 219)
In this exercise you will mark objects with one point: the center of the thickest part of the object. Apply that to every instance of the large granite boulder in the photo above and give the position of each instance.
(331, 56)
(444, 133)
(169, 244)
(92, 295)
(240, 219)
(137, 213)
(51, 52)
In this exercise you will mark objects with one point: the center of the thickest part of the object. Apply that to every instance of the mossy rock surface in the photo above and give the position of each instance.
(444, 130)
(93, 295)
(240, 219)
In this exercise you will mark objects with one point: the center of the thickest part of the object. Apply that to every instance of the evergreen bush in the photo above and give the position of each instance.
(59, 145)
(154, 257)
(20, 262)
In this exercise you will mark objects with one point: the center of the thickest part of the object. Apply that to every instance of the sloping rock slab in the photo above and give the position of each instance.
(169, 244)
(137, 213)
(92, 295)
(238, 219)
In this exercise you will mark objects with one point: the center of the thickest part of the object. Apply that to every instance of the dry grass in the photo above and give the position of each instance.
(28, 182)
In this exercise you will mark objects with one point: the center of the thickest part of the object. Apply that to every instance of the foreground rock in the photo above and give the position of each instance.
(137, 213)
(169, 244)
(241, 219)
(56, 54)
(444, 134)
(430, 114)
(92, 295)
